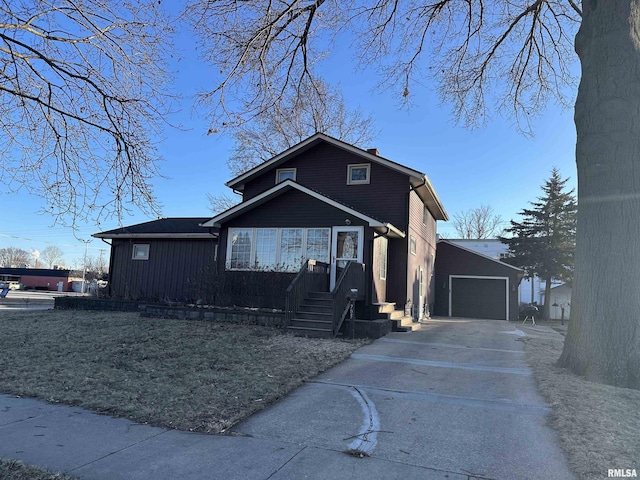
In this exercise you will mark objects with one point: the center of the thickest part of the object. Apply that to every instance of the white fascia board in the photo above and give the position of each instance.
(479, 254)
(154, 235)
(237, 209)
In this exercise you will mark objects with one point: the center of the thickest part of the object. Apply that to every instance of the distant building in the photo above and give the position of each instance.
(38, 278)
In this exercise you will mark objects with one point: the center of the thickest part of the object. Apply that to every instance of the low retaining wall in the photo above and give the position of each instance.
(248, 317)
(93, 303)
(363, 328)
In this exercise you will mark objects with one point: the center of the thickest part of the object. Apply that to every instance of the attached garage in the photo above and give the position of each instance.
(469, 284)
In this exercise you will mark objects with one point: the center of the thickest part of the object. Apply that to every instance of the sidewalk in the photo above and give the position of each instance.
(454, 400)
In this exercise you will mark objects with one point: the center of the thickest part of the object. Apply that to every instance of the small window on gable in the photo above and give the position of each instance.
(412, 244)
(283, 174)
(140, 251)
(425, 214)
(358, 174)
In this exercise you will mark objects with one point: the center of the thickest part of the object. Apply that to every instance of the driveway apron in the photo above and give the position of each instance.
(454, 399)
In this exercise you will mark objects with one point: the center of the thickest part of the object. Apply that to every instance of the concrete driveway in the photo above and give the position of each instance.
(454, 401)
(456, 398)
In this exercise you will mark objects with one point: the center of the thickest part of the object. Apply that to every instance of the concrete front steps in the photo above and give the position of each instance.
(400, 321)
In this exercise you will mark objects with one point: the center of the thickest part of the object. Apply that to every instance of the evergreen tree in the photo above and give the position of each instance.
(544, 243)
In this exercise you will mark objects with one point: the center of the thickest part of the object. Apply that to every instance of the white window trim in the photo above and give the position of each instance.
(254, 236)
(358, 182)
(140, 246)
(283, 170)
(414, 241)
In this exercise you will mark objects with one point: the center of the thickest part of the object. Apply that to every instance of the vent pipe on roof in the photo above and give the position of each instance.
(373, 151)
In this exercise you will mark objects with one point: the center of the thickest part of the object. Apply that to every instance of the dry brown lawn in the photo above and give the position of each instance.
(189, 375)
(599, 425)
(15, 470)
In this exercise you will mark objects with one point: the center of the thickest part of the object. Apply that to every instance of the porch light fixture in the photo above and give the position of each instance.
(347, 222)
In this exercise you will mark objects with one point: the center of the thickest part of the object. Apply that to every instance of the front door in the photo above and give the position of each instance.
(346, 244)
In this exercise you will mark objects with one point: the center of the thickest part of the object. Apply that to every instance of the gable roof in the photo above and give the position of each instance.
(188, 227)
(282, 187)
(418, 180)
(478, 254)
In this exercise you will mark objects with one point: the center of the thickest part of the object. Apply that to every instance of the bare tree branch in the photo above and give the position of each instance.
(513, 55)
(83, 95)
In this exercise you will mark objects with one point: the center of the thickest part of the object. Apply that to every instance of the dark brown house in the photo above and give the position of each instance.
(328, 201)
(470, 284)
(159, 260)
(320, 223)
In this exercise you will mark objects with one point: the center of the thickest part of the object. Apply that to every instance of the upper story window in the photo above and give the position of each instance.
(283, 174)
(425, 215)
(358, 173)
(140, 251)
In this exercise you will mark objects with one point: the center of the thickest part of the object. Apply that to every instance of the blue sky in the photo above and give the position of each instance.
(493, 165)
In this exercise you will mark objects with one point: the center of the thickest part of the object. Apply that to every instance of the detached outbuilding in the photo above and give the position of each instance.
(469, 284)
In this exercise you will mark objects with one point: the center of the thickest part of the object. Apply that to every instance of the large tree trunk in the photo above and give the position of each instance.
(603, 342)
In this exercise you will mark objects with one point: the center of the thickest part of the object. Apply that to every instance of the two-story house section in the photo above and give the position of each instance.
(329, 201)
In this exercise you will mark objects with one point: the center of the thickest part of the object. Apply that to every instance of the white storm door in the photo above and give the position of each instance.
(346, 245)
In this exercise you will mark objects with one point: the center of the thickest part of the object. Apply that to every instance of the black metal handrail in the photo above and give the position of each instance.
(352, 277)
(312, 277)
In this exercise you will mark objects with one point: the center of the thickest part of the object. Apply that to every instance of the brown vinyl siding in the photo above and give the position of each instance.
(323, 168)
(425, 235)
(172, 265)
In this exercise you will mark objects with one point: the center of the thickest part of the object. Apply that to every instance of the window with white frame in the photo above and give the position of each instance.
(240, 246)
(278, 249)
(412, 244)
(290, 249)
(358, 173)
(283, 174)
(266, 244)
(382, 257)
(140, 251)
(318, 244)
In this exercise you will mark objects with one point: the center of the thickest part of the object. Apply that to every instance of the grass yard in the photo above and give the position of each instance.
(599, 425)
(15, 470)
(188, 375)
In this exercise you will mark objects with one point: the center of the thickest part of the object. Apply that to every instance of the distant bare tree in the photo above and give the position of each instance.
(221, 202)
(51, 256)
(13, 257)
(478, 223)
(82, 99)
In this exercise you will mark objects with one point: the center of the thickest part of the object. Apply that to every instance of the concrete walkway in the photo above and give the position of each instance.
(454, 401)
